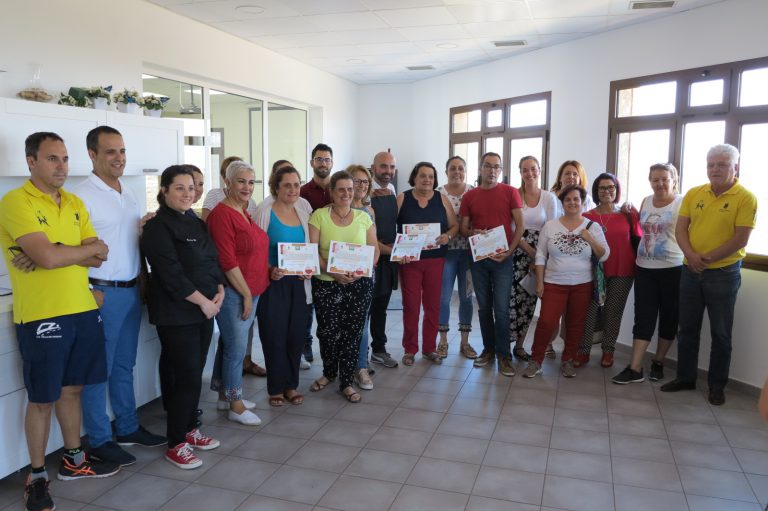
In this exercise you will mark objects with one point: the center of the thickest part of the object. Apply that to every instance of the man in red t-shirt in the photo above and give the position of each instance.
(490, 205)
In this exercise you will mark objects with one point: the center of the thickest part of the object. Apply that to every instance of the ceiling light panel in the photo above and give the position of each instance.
(420, 17)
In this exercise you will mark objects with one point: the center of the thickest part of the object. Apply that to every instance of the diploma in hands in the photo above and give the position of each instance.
(430, 232)
(298, 258)
(350, 258)
(407, 246)
(491, 242)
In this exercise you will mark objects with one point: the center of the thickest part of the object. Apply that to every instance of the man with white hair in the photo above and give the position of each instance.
(712, 230)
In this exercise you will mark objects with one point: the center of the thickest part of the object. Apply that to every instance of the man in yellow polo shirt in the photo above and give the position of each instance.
(49, 243)
(713, 229)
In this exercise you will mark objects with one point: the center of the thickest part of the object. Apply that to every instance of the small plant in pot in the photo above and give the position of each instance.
(95, 97)
(128, 101)
(153, 105)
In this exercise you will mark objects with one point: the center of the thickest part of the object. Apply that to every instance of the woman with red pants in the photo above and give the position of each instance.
(422, 280)
(564, 278)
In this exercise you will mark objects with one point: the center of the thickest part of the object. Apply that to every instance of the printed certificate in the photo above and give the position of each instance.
(350, 258)
(298, 258)
(407, 245)
(430, 232)
(491, 242)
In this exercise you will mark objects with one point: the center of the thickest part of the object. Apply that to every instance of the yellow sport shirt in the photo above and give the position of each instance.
(42, 294)
(714, 219)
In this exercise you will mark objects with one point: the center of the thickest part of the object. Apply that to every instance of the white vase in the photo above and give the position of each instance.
(153, 113)
(100, 103)
(128, 108)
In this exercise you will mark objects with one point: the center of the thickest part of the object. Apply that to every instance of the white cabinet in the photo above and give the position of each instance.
(151, 144)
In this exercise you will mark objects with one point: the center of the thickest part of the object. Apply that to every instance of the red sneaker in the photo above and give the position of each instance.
(607, 360)
(199, 441)
(183, 457)
(581, 359)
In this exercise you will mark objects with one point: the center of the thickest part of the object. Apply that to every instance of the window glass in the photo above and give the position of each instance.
(698, 137)
(493, 119)
(637, 151)
(287, 137)
(469, 152)
(754, 87)
(519, 147)
(754, 155)
(466, 122)
(709, 92)
(532, 113)
(658, 98)
(496, 145)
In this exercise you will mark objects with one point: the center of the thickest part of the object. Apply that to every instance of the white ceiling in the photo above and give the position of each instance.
(372, 41)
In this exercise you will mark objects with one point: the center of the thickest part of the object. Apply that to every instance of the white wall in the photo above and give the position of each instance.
(579, 75)
(111, 42)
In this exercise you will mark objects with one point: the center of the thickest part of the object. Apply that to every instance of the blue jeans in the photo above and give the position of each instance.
(456, 266)
(714, 290)
(362, 357)
(227, 376)
(121, 315)
(493, 282)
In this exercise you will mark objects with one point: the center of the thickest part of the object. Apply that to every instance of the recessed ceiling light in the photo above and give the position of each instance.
(504, 44)
(250, 9)
(419, 68)
(651, 4)
(356, 61)
(447, 46)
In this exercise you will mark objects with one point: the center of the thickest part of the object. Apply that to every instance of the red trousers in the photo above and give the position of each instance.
(421, 282)
(557, 299)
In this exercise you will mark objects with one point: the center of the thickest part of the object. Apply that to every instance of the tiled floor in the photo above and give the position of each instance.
(452, 437)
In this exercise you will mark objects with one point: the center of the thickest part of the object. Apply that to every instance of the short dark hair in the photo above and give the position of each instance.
(601, 177)
(167, 177)
(457, 157)
(322, 147)
(486, 155)
(568, 189)
(92, 138)
(338, 176)
(415, 172)
(277, 177)
(280, 163)
(32, 143)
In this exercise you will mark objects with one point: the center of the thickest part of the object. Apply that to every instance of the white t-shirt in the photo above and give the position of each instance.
(376, 186)
(534, 218)
(565, 253)
(658, 247)
(115, 217)
(216, 195)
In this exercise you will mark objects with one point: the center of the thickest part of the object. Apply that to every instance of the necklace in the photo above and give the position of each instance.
(602, 222)
(338, 215)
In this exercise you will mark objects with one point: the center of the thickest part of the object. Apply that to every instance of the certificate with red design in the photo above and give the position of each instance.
(352, 258)
(430, 232)
(298, 258)
(407, 246)
(491, 242)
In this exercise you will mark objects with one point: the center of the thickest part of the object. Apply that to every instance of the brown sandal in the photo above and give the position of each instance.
(409, 359)
(442, 349)
(254, 369)
(318, 385)
(353, 396)
(468, 351)
(294, 397)
(276, 401)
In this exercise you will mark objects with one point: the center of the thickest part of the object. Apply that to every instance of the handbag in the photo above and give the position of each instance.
(598, 278)
(634, 239)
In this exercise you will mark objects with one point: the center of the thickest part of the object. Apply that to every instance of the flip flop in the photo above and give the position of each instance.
(317, 385)
(276, 401)
(353, 396)
(294, 398)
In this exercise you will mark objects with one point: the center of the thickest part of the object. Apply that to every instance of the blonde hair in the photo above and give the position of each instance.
(351, 169)
(579, 168)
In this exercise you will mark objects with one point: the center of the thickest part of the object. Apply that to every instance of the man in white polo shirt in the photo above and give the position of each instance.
(116, 215)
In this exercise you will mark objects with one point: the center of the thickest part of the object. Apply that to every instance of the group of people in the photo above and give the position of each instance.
(580, 257)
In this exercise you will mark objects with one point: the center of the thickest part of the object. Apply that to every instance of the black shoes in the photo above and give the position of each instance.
(657, 371)
(678, 385)
(89, 468)
(716, 397)
(36, 495)
(112, 453)
(143, 437)
(628, 376)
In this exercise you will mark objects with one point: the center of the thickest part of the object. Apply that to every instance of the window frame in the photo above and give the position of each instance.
(729, 110)
(505, 132)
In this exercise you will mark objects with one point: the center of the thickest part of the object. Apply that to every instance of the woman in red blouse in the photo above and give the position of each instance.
(243, 251)
(620, 227)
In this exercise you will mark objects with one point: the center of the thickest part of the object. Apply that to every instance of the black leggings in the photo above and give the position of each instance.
(657, 293)
(184, 350)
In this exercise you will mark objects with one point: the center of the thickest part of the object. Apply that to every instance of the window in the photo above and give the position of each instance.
(513, 127)
(678, 116)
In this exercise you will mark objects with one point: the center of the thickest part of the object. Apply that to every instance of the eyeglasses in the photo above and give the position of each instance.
(318, 159)
(488, 166)
(610, 188)
(361, 182)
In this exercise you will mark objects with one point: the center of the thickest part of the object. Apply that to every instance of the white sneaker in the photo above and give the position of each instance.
(303, 364)
(363, 379)
(247, 417)
(224, 405)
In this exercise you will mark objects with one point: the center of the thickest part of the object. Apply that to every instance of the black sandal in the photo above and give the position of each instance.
(521, 354)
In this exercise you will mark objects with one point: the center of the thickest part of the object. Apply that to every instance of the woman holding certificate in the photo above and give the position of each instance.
(242, 247)
(282, 309)
(564, 278)
(342, 292)
(425, 211)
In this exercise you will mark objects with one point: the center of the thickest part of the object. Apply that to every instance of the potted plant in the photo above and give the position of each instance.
(70, 100)
(153, 105)
(95, 97)
(128, 101)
